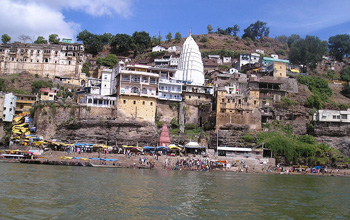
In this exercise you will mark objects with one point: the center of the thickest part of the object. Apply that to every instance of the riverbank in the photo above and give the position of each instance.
(193, 162)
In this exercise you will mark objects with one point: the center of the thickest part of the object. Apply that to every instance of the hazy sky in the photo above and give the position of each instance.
(323, 18)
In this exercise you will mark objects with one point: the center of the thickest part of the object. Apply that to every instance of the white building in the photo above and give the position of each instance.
(158, 48)
(98, 101)
(247, 58)
(332, 116)
(108, 82)
(9, 107)
(190, 67)
(174, 49)
(168, 88)
(167, 62)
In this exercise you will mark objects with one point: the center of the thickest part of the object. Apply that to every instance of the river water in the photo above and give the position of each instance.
(31, 191)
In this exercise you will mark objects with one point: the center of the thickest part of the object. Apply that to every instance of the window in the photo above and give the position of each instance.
(199, 97)
(21, 106)
(134, 102)
(124, 101)
(143, 102)
(324, 117)
(254, 102)
(127, 88)
(135, 90)
(144, 91)
(344, 116)
(151, 103)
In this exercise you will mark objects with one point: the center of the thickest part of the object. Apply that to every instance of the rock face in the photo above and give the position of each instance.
(93, 125)
(335, 135)
(228, 135)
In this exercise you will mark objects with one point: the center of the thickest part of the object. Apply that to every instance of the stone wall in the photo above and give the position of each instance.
(93, 125)
(167, 110)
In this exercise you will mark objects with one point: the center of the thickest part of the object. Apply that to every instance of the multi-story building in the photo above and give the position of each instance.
(332, 116)
(246, 59)
(137, 91)
(9, 106)
(47, 94)
(168, 88)
(25, 102)
(233, 107)
(167, 62)
(108, 82)
(46, 60)
(98, 101)
(277, 69)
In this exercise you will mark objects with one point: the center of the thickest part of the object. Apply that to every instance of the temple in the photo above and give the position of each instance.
(190, 66)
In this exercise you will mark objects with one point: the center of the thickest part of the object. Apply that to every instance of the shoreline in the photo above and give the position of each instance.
(163, 162)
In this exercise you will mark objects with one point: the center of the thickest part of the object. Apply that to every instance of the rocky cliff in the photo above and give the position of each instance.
(72, 124)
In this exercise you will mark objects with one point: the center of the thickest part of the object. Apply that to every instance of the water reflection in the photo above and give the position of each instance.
(60, 192)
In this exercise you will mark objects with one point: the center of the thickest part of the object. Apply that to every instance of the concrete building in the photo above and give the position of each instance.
(108, 82)
(46, 60)
(332, 116)
(247, 59)
(234, 108)
(98, 101)
(168, 88)
(158, 48)
(277, 69)
(9, 107)
(137, 91)
(167, 62)
(190, 67)
(25, 102)
(47, 94)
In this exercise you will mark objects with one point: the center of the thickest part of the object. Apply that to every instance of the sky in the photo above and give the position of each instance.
(322, 18)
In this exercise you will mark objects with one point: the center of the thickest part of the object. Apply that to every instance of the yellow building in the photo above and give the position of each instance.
(234, 108)
(277, 69)
(137, 91)
(47, 94)
(253, 99)
(25, 102)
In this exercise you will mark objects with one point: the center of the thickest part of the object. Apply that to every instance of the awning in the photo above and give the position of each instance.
(240, 149)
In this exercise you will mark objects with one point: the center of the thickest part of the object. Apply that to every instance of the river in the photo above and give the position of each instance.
(31, 191)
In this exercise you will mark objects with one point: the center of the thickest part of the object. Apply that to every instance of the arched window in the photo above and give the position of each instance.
(144, 91)
(134, 90)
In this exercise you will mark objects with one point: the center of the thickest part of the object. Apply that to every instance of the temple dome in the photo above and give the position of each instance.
(190, 66)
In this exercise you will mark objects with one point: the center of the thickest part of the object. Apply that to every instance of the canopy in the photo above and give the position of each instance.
(174, 147)
(162, 148)
(240, 149)
(149, 148)
(193, 145)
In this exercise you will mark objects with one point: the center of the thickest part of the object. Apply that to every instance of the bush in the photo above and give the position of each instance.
(267, 45)
(190, 126)
(248, 138)
(203, 39)
(281, 52)
(174, 123)
(38, 84)
(314, 102)
(286, 103)
(346, 90)
(36, 75)
(317, 86)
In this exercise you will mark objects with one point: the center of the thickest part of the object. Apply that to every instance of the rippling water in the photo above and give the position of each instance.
(63, 192)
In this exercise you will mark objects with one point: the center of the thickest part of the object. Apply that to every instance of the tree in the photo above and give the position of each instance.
(5, 38)
(169, 36)
(256, 30)
(346, 90)
(229, 30)
(106, 38)
(24, 38)
(292, 38)
(156, 40)
(93, 43)
(40, 40)
(110, 60)
(282, 39)
(235, 30)
(121, 44)
(307, 52)
(178, 37)
(142, 41)
(85, 69)
(53, 38)
(346, 74)
(210, 29)
(221, 31)
(339, 46)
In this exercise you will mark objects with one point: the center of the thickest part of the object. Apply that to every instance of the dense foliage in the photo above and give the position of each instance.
(301, 150)
(38, 84)
(53, 38)
(339, 46)
(109, 61)
(256, 30)
(5, 38)
(40, 40)
(317, 86)
(307, 52)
